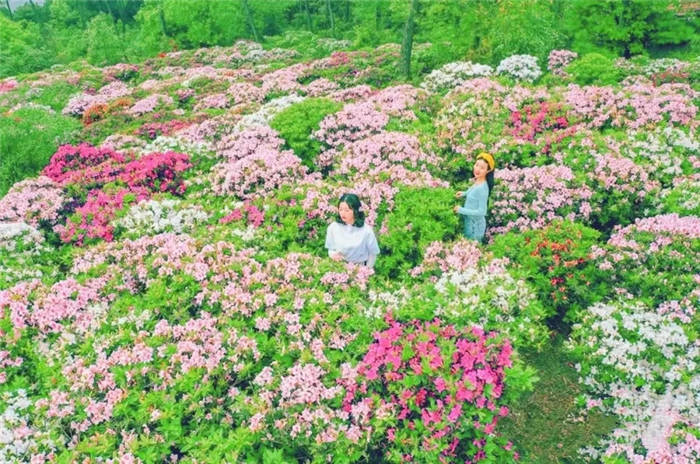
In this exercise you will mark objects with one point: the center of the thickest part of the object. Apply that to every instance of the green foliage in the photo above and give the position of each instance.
(21, 50)
(104, 45)
(594, 69)
(420, 217)
(296, 124)
(556, 261)
(625, 27)
(28, 138)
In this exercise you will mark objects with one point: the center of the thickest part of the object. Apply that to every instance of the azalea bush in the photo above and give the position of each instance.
(421, 382)
(557, 260)
(654, 258)
(532, 198)
(639, 362)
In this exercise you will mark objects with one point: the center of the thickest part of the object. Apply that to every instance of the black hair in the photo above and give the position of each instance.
(489, 180)
(353, 201)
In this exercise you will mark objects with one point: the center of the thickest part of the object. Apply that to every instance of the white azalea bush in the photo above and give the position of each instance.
(641, 364)
(520, 67)
(453, 74)
(157, 216)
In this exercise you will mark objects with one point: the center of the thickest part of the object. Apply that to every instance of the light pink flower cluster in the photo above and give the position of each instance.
(397, 100)
(218, 100)
(457, 256)
(150, 103)
(320, 87)
(67, 306)
(245, 92)
(635, 106)
(354, 122)
(33, 201)
(351, 93)
(244, 142)
(622, 174)
(256, 165)
(285, 79)
(531, 198)
(77, 105)
(560, 59)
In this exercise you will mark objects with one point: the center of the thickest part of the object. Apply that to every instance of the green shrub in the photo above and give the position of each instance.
(556, 260)
(28, 138)
(296, 124)
(420, 217)
(594, 69)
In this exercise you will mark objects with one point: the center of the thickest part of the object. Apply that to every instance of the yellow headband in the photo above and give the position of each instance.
(488, 158)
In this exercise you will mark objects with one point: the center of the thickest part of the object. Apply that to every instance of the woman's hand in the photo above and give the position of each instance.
(457, 209)
(459, 194)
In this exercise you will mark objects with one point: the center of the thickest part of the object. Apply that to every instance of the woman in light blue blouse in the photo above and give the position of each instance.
(349, 238)
(477, 197)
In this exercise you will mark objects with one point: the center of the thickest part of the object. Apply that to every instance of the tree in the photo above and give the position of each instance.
(407, 42)
(626, 27)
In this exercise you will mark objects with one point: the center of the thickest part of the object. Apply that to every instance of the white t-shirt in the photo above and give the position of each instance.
(356, 244)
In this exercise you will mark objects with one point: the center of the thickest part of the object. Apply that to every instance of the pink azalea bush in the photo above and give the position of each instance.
(354, 122)
(560, 59)
(635, 106)
(530, 198)
(256, 164)
(33, 201)
(654, 257)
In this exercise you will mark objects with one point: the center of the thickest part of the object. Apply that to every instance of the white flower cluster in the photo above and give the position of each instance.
(18, 441)
(658, 147)
(453, 74)
(331, 44)
(493, 299)
(520, 67)
(164, 143)
(268, 111)
(154, 217)
(625, 345)
(13, 232)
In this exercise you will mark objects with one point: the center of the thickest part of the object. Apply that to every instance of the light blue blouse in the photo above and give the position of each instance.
(474, 210)
(356, 244)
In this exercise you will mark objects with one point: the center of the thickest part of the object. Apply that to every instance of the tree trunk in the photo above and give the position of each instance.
(249, 19)
(407, 43)
(163, 24)
(347, 10)
(7, 4)
(308, 15)
(330, 17)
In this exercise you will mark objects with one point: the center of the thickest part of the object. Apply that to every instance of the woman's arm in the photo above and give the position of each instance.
(481, 197)
(371, 259)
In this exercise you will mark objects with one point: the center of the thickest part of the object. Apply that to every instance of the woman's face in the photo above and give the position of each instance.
(481, 168)
(346, 213)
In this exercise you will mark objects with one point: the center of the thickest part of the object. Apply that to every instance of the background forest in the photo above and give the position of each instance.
(37, 35)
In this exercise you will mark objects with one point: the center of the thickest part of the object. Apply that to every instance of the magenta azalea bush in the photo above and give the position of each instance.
(419, 383)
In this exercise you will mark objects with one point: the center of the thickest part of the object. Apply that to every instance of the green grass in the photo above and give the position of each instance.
(546, 426)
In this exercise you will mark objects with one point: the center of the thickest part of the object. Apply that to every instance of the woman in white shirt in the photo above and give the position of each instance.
(349, 238)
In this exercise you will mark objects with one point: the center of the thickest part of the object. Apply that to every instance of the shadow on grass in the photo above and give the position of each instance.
(546, 425)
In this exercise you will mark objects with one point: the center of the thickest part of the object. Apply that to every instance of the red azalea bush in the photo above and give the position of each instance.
(435, 393)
